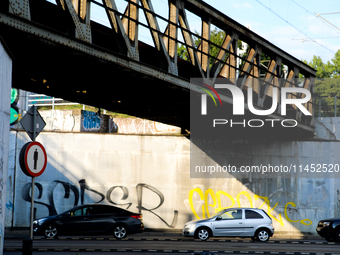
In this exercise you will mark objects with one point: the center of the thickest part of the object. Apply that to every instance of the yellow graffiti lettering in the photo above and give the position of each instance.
(256, 197)
(269, 210)
(191, 202)
(206, 199)
(280, 220)
(304, 221)
(223, 193)
(286, 214)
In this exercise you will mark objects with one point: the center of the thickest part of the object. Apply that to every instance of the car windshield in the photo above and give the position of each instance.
(216, 214)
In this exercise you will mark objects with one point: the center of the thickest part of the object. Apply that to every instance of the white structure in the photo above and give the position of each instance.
(5, 103)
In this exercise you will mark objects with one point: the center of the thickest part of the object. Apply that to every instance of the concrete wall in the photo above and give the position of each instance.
(86, 121)
(5, 105)
(328, 128)
(153, 173)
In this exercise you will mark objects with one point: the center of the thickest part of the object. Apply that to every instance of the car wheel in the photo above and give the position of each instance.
(337, 236)
(119, 232)
(262, 235)
(51, 231)
(203, 234)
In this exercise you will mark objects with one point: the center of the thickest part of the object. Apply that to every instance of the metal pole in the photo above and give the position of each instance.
(33, 178)
(319, 107)
(335, 106)
(32, 208)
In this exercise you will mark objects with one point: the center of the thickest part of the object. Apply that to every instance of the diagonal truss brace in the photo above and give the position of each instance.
(20, 8)
(78, 12)
(118, 26)
(157, 37)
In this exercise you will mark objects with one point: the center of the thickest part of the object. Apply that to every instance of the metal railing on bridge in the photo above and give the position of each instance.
(72, 23)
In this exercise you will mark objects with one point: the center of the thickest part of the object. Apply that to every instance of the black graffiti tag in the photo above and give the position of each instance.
(84, 187)
(140, 206)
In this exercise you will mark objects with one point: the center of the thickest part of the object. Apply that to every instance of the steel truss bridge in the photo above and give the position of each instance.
(59, 50)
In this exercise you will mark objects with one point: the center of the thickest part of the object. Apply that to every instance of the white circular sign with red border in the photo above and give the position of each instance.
(33, 159)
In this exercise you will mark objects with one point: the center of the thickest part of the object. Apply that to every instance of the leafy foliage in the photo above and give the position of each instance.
(327, 85)
(216, 37)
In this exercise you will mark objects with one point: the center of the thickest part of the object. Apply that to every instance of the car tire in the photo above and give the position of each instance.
(253, 238)
(262, 235)
(119, 231)
(202, 234)
(337, 235)
(51, 231)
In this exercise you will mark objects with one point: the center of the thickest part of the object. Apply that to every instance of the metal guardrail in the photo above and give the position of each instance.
(44, 100)
(326, 106)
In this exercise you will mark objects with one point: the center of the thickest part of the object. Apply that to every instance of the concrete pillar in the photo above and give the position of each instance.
(5, 109)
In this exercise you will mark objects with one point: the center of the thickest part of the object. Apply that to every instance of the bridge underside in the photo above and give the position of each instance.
(59, 51)
(42, 66)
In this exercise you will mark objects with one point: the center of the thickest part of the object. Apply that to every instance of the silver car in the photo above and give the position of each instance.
(235, 222)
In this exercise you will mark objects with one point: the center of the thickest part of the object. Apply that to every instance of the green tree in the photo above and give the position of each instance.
(327, 85)
(216, 37)
(322, 70)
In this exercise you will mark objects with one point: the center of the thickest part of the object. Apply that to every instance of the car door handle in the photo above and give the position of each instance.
(240, 223)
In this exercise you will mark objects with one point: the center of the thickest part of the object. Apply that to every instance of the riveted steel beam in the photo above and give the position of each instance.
(172, 30)
(20, 8)
(220, 20)
(227, 46)
(130, 21)
(83, 30)
(230, 66)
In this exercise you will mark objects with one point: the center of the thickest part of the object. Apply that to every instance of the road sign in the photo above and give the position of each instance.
(33, 123)
(33, 159)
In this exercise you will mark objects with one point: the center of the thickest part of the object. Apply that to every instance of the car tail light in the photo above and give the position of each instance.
(138, 217)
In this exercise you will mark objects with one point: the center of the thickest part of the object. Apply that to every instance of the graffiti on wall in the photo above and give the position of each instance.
(58, 120)
(201, 201)
(14, 107)
(90, 121)
(70, 191)
(97, 123)
(142, 127)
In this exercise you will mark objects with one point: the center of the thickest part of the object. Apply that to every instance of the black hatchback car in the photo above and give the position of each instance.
(91, 219)
(329, 229)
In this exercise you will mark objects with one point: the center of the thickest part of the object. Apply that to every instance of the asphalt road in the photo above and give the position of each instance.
(171, 245)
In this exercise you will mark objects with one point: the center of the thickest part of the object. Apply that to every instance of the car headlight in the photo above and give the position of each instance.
(327, 223)
(38, 222)
(188, 225)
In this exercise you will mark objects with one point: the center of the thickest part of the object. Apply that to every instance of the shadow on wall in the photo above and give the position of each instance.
(62, 189)
(294, 202)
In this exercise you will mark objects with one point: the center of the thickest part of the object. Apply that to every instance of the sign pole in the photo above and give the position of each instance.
(33, 124)
(33, 178)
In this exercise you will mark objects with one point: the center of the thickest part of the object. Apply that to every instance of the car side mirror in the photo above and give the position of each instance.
(219, 218)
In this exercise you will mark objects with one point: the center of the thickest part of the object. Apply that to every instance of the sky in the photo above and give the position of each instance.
(302, 28)
(292, 25)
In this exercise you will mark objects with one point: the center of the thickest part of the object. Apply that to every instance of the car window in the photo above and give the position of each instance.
(82, 211)
(231, 215)
(253, 215)
(106, 210)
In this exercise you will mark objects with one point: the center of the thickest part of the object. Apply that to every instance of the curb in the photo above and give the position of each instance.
(201, 252)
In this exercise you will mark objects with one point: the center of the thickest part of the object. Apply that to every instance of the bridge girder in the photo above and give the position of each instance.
(60, 51)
